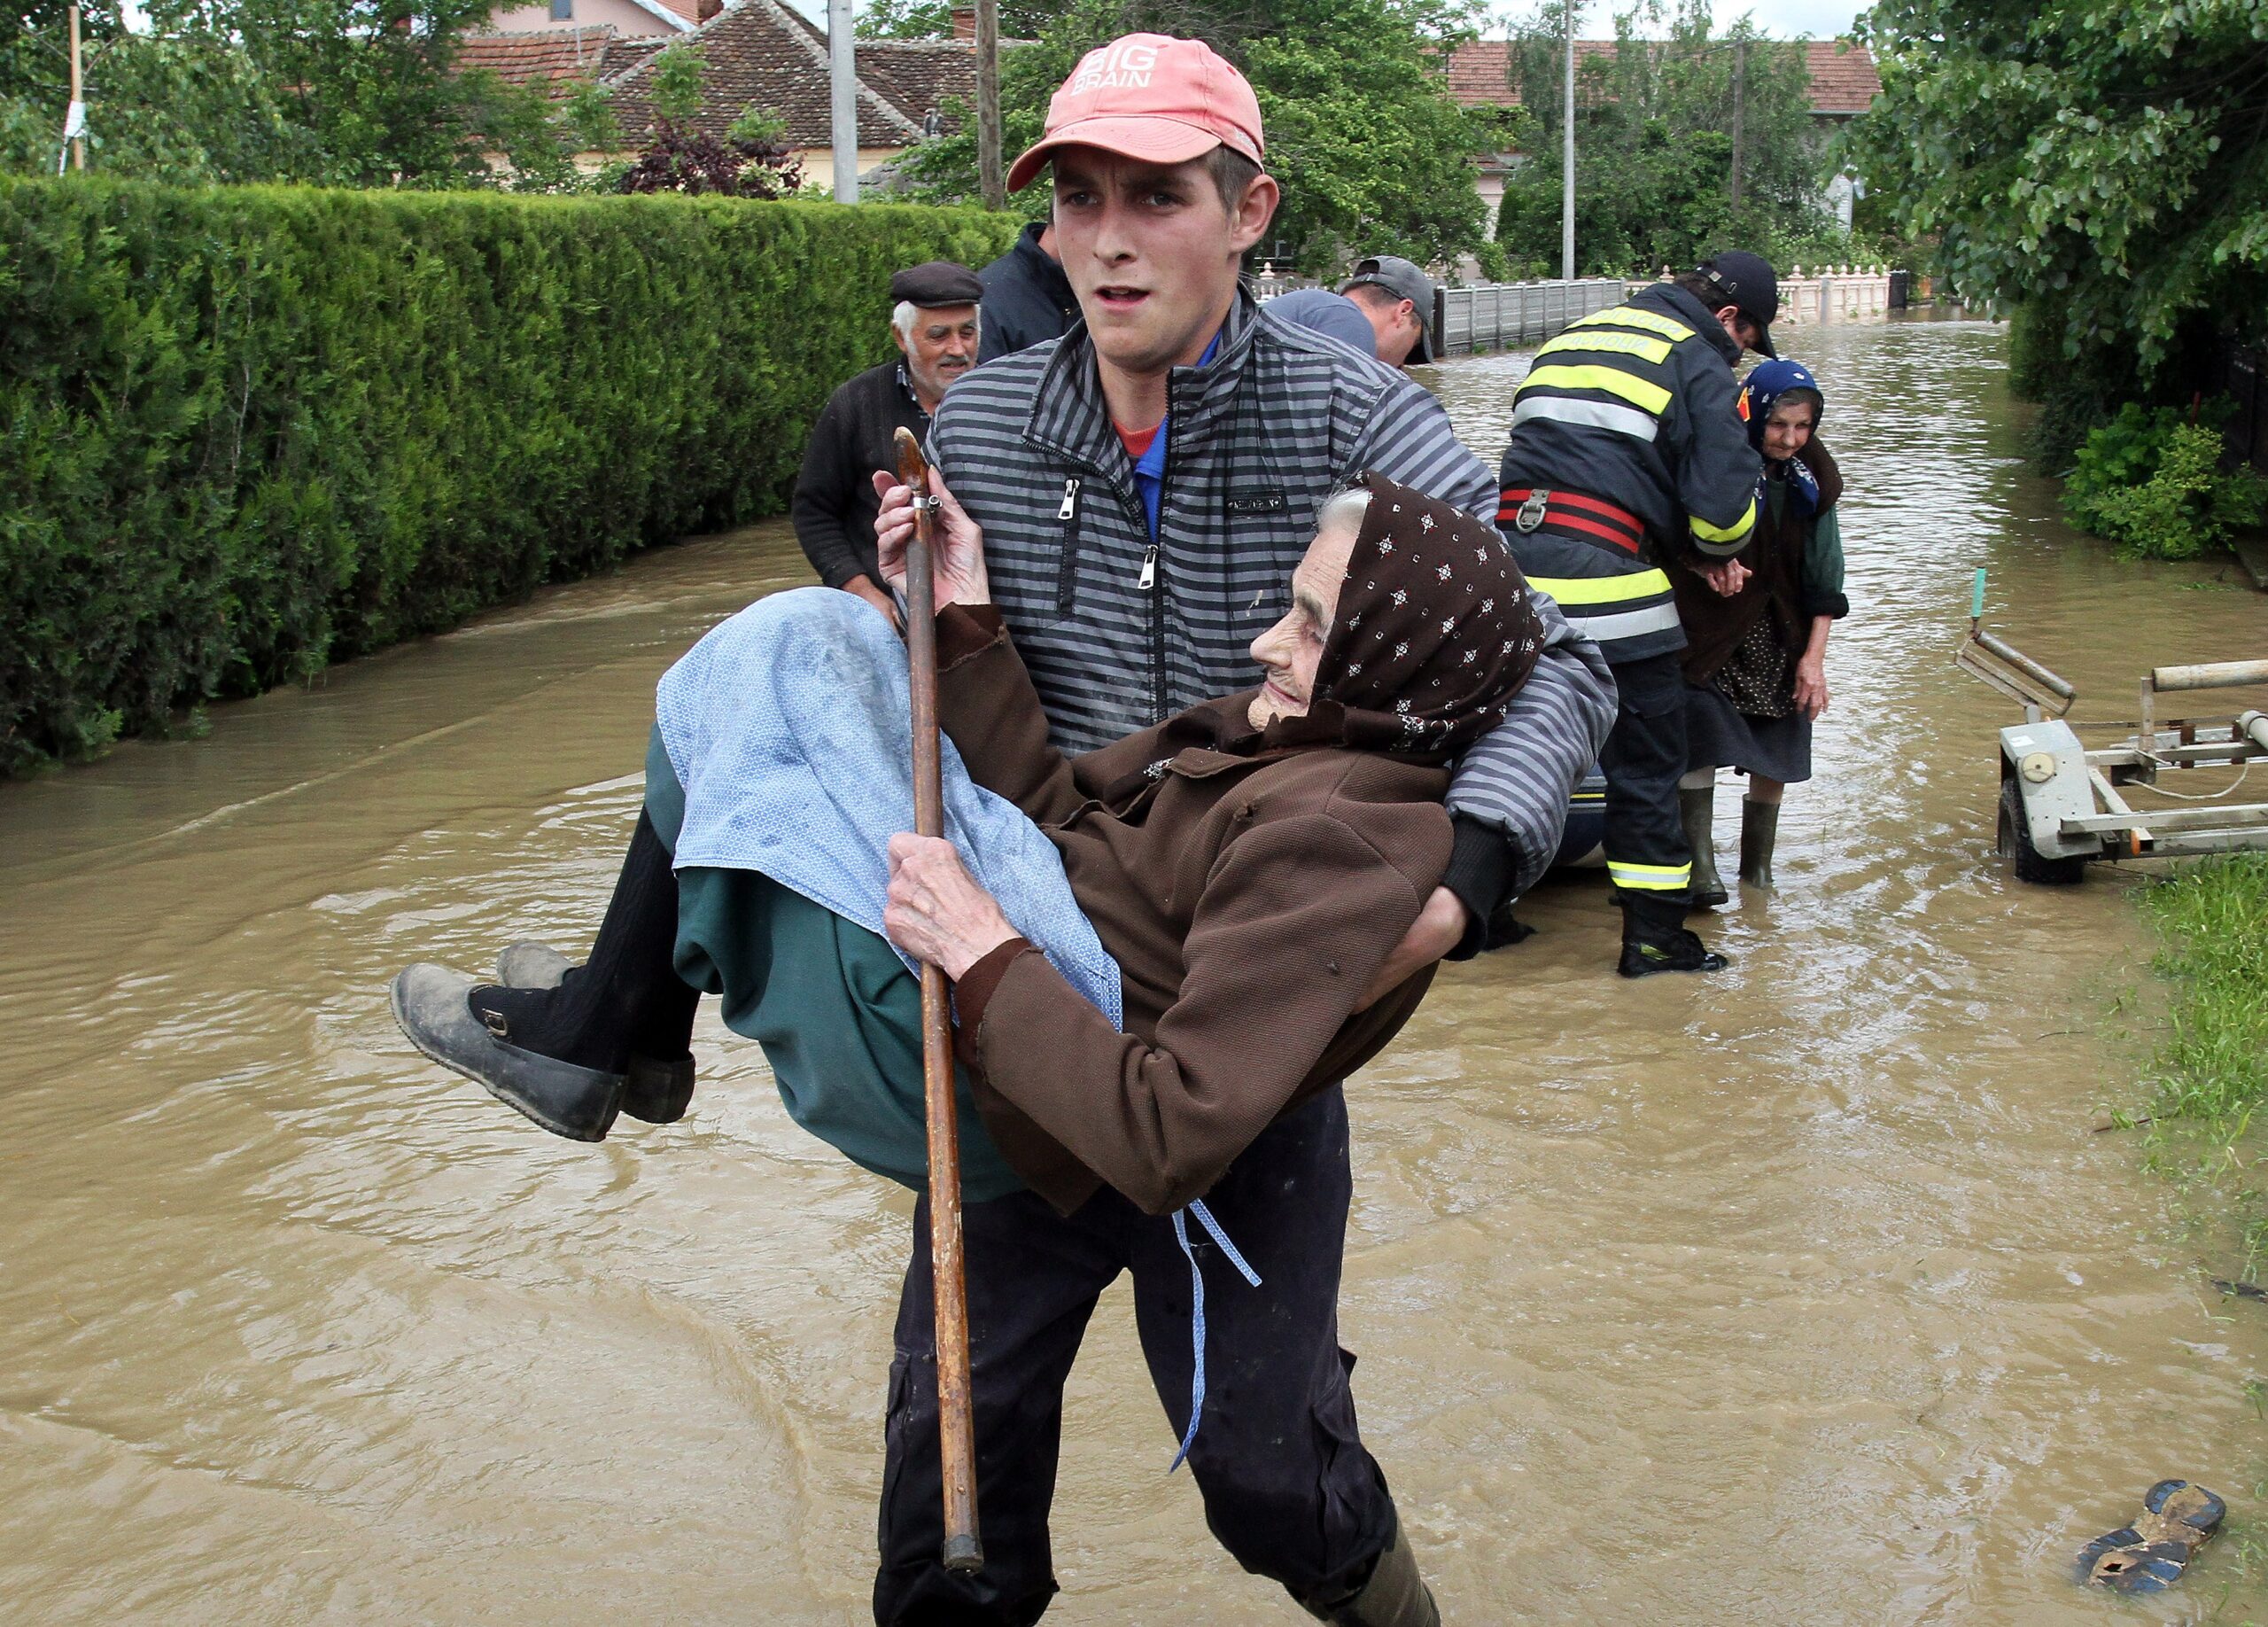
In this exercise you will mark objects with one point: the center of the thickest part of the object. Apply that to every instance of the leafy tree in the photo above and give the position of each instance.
(757, 125)
(335, 92)
(1654, 147)
(1373, 155)
(2103, 161)
(676, 76)
(587, 119)
(933, 19)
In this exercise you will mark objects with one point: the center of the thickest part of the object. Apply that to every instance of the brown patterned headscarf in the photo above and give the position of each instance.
(1435, 632)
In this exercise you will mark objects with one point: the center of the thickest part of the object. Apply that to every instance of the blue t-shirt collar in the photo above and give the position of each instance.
(1149, 468)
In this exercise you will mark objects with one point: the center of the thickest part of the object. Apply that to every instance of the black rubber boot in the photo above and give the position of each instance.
(1395, 1595)
(1699, 810)
(656, 1092)
(434, 1007)
(1759, 833)
(1654, 939)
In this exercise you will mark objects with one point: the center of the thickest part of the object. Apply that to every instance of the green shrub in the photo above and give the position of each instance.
(247, 431)
(2150, 482)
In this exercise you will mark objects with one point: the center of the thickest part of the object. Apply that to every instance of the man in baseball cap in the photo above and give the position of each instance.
(1745, 282)
(1398, 298)
(1386, 310)
(1148, 96)
(934, 322)
(1139, 490)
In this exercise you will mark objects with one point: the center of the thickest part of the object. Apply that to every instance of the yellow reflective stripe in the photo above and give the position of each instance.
(1611, 380)
(1601, 589)
(1631, 317)
(1650, 877)
(1617, 344)
(1732, 532)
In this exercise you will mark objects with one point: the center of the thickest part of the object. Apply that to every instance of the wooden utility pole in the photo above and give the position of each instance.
(842, 81)
(77, 115)
(1740, 107)
(989, 180)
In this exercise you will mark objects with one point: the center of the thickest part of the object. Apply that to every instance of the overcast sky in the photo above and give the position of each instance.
(1783, 19)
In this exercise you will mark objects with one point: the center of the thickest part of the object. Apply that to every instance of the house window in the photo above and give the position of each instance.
(563, 11)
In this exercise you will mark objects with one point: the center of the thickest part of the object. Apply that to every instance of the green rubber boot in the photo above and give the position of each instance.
(1395, 1595)
(1698, 808)
(1760, 832)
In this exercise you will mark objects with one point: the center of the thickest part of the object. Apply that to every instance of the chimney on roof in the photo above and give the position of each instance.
(964, 22)
(710, 8)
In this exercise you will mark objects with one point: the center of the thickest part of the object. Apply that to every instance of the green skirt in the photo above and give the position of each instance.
(837, 1013)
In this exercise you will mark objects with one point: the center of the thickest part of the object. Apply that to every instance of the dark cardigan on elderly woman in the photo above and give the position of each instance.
(1250, 882)
(1741, 652)
(1715, 625)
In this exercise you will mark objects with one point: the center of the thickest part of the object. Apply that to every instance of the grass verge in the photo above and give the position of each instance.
(2210, 1077)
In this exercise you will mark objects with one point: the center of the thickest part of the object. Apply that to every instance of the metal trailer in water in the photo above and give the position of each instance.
(2063, 805)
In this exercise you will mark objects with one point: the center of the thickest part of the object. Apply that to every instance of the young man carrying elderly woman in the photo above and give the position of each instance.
(1177, 909)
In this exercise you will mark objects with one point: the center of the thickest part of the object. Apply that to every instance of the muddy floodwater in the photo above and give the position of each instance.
(1803, 1294)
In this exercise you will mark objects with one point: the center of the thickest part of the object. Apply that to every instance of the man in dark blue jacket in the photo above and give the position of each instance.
(1027, 297)
(1628, 460)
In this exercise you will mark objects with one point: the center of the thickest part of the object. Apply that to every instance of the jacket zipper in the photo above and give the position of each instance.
(1066, 567)
(1150, 584)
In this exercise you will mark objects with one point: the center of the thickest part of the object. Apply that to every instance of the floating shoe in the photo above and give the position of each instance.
(658, 1092)
(2149, 1555)
(434, 1008)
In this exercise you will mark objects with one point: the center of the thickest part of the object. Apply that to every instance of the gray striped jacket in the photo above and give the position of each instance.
(1119, 633)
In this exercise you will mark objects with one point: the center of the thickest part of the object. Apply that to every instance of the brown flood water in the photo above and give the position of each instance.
(1800, 1295)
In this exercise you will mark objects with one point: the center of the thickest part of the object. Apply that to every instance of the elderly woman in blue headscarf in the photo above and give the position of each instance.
(1756, 661)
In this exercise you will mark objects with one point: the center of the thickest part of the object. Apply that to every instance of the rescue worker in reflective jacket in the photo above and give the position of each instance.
(1627, 453)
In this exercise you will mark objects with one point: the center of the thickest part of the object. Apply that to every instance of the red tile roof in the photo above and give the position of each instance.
(763, 52)
(552, 58)
(1843, 77)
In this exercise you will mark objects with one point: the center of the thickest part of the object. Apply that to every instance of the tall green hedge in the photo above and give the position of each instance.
(247, 431)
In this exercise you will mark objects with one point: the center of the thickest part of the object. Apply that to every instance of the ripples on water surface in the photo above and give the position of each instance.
(1799, 1295)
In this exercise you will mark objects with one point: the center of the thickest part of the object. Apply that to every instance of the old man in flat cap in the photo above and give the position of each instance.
(934, 323)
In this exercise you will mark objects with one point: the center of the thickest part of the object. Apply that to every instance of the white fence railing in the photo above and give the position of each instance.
(1834, 293)
(1503, 315)
(1482, 316)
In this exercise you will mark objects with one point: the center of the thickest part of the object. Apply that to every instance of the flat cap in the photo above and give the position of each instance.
(940, 281)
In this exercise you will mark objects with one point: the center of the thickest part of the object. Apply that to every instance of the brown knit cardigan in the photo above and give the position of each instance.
(1249, 895)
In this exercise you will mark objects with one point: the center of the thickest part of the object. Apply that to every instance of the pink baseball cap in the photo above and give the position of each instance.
(1149, 97)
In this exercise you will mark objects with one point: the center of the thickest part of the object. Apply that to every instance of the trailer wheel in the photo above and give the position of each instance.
(2014, 843)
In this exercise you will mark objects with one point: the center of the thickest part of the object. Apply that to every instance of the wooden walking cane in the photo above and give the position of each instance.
(956, 1429)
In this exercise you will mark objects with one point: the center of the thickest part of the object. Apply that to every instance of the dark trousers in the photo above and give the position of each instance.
(1646, 855)
(1288, 1488)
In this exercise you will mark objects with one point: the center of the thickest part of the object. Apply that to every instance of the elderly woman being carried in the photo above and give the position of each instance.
(1166, 956)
